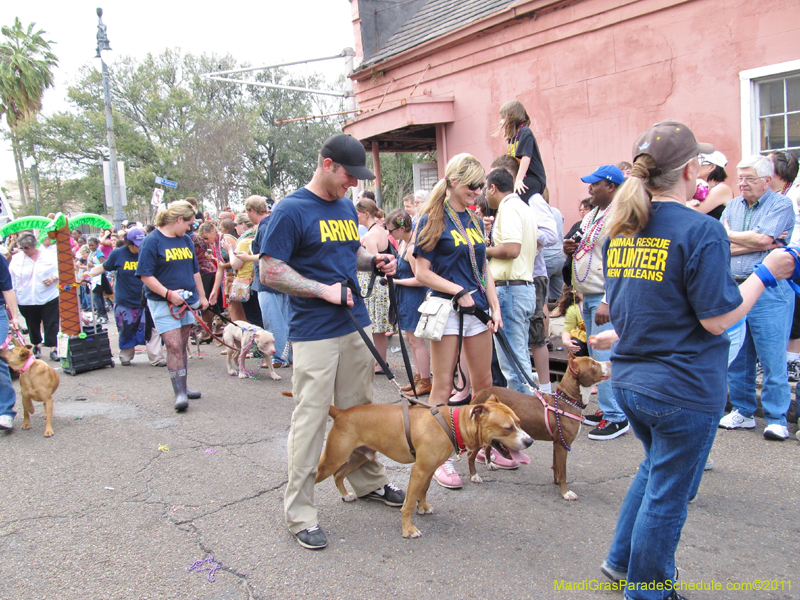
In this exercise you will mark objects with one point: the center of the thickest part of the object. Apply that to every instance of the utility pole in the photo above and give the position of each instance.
(116, 201)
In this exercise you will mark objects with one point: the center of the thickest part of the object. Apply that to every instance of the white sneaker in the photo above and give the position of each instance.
(735, 420)
(6, 421)
(776, 432)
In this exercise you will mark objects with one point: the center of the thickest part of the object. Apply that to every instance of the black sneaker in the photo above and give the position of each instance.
(54, 356)
(593, 420)
(390, 495)
(312, 538)
(606, 430)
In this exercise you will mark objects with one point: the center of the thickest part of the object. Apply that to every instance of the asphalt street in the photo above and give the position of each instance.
(127, 496)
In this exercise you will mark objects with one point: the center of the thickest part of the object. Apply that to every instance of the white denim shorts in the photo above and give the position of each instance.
(472, 325)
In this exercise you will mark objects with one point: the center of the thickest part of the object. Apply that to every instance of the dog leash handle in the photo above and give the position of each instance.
(350, 285)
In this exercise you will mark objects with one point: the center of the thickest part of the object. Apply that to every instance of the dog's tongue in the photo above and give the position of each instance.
(521, 458)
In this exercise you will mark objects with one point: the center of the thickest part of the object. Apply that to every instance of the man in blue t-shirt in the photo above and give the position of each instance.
(311, 248)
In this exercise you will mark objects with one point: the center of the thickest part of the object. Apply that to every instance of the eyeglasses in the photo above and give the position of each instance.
(25, 247)
(474, 187)
(748, 180)
(391, 231)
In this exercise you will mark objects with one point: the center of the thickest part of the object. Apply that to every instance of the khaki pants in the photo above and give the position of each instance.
(338, 369)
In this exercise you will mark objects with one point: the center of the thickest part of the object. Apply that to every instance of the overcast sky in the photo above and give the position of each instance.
(260, 32)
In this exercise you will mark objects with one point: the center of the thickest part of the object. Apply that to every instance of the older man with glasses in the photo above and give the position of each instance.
(758, 221)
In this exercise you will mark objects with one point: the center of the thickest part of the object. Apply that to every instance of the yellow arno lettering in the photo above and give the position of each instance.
(475, 236)
(353, 230)
(324, 232)
(338, 231)
(458, 239)
(176, 254)
(130, 265)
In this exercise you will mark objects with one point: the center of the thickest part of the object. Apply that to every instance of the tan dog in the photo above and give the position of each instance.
(238, 334)
(583, 371)
(38, 382)
(361, 430)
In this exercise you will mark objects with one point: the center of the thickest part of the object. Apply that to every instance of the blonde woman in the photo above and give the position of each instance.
(376, 241)
(169, 268)
(450, 253)
(243, 263)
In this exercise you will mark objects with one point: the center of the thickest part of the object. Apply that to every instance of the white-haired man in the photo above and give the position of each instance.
(756, 221)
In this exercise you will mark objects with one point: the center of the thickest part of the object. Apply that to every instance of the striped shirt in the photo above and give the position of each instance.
(772, 215)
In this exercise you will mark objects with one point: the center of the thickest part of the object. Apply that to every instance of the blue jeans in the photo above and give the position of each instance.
(768, 324)
(517, 305)
(7, 395)
(676, 443)
(605, 397)
(275, 314)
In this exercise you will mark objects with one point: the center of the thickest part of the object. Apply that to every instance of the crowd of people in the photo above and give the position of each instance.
(665, 226)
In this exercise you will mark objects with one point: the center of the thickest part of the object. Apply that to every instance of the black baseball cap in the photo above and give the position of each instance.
(346, 150)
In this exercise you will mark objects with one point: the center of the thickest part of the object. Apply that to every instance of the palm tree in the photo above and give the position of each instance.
(26, 71)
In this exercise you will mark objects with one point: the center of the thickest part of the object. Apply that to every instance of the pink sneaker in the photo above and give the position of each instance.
(446, 476)
(497, 459)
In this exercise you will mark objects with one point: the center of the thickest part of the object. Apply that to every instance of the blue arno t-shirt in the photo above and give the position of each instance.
(171, 260)
(659, 284)
(318, 239)
(127, 287)
(450, 257)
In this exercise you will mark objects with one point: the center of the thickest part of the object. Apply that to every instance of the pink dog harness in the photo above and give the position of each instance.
(28, 363)
(558, 412)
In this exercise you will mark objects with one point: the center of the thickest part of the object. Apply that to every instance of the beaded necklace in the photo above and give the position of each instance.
(786, 187)
(33, 270)
(460, 228)
(586, 245)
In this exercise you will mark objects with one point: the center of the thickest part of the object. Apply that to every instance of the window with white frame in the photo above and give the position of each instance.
(770, 108)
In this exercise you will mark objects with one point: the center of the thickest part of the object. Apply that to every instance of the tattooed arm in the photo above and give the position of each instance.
(280, 276)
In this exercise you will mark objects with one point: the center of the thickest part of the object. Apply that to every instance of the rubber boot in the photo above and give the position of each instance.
(178, 378)
(190, 393)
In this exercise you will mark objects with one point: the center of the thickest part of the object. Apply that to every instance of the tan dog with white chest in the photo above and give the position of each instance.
(238, 335)
(361, 430)
(37, 381)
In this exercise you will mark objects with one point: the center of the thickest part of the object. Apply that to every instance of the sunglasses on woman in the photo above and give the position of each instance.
(474, 187)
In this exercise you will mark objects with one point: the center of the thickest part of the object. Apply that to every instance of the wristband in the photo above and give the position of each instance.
(765, 275)
(166, 296)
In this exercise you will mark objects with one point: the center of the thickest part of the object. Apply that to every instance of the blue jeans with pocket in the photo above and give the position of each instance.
(768, 325)
(275, 314)
(676, 443)
(517, 305)
(7, 395)
(605, 397)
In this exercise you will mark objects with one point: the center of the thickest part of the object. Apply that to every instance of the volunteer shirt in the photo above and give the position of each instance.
(318, 239)
(515, 223)
(450, 257)
(171, 260)
(659, 285)
(127, 286)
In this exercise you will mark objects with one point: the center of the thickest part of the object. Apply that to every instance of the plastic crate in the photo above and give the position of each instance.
(87, 353)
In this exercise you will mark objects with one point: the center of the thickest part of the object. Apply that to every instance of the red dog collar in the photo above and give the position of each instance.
(457, 430)
(28, 363)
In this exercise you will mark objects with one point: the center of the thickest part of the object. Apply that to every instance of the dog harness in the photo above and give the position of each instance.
(559, 413)
(28, 363)
(453, 432)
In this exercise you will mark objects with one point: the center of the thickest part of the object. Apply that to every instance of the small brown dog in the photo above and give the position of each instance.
(37, 380)
(361, 430)
(583, 371)
(238, 335)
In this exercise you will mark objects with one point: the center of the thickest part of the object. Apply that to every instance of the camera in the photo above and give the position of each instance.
(577, 236)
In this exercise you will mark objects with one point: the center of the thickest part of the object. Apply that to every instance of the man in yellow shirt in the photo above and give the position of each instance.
(511, 263)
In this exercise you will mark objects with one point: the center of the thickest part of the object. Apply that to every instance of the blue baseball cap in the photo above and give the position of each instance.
(607, 172)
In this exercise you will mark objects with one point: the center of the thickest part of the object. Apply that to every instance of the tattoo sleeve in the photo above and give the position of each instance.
(364, 260)
(280, 276)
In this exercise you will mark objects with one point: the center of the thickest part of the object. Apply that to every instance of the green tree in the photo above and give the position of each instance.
(26, 71)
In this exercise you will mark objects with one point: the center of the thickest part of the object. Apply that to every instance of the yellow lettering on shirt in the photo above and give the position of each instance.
(130, 265)
(340, 230)
(637, 258)
(177, 254)
(458, 239)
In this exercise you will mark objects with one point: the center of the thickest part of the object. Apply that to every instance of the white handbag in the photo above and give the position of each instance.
(434, 314)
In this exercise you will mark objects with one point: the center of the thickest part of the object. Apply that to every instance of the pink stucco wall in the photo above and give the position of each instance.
(593, 74)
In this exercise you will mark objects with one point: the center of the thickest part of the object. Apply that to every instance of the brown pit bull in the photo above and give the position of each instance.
(360, 431)
(37, 381)
(238, 334)
(583, 371)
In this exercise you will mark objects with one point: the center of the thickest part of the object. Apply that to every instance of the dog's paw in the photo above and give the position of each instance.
(242, 375)
(26, 425)
(232, 373)
(275, 376)
(48, 432)
(570, 495)
(350, 498)
(424, 509)
(412, 532)
(492, 467)
(476, 479)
